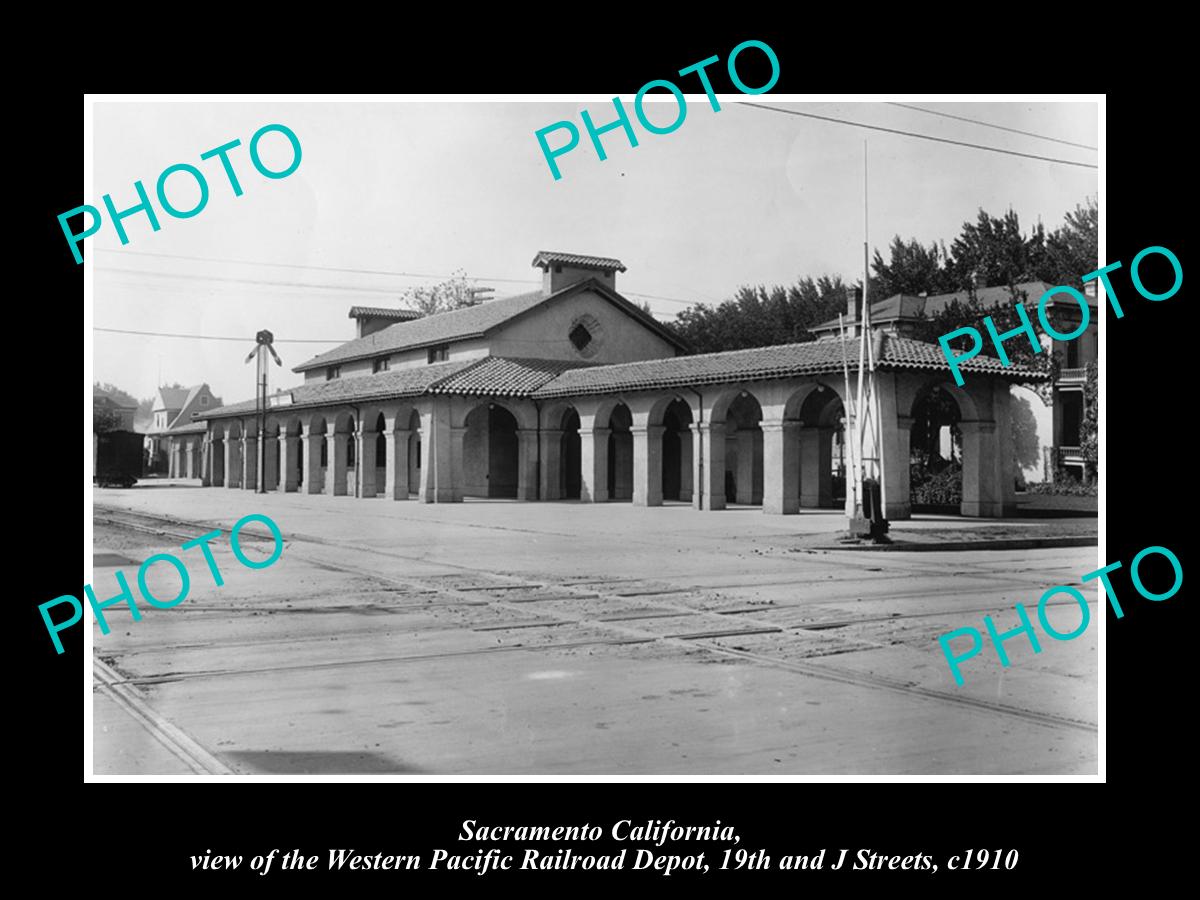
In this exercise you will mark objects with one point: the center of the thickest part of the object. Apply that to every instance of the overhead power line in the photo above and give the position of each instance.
(330, 287)
(946, 115)
(211, 337)
(914, 134)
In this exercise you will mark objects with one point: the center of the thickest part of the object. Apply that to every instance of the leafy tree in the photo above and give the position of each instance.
(1072, 250)
(911, 269)
(1089, 429)
(115, 392)
(761, 316)
(104, 418)
(453, 293)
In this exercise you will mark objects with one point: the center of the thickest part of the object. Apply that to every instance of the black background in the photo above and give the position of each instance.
(1066, 834)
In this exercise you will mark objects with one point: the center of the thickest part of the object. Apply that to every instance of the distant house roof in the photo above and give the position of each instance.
(500, 376)
(474, 322)
(910, 306)
(546, 258)
(172, 398)
(384, 312)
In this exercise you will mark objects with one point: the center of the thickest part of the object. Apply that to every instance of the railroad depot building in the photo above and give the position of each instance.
(573, 392)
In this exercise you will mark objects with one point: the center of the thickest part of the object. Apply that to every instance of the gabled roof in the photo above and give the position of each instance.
(909, 306)
(546, 258)
(384, 312)
(171, 398)
(474, 322)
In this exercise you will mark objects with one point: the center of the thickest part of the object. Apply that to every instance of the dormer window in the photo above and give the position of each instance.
(380, 365)
(333, 372)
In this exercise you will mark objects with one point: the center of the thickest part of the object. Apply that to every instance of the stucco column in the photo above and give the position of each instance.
(365, 463)
(338, 455)
(233, 462)
(686, 466)
(593, 463)
(397, 464)
(551, 471)
(981, 494)
(898, 503)
(438, 481)
(527, 464)
(709, 461)
(250, 463)
(781, 468)
(647, 464)
(1006, 464)
(206, 455)
(269, 474)
(289, 463)
(314, 478)
(745, 465)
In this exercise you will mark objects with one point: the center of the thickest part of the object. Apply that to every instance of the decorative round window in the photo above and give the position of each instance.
(586, 335)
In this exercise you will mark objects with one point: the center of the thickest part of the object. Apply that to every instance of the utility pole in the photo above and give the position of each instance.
(264, 340)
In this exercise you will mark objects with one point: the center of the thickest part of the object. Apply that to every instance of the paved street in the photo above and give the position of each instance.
(495, 637)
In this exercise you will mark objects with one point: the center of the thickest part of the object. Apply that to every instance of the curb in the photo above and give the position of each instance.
(1014, 544)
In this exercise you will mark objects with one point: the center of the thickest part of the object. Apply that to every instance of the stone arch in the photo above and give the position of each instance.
(676, 419)
(820, 417)
(720, 403)
(742, 415)
(948, 440)
(620, 452)
(316, 452)
(490, 451)
(561, 453)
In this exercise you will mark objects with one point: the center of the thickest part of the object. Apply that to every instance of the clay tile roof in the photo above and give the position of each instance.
(394, 383)
(384, 312)
(441, 328)
(760, 363)
(501, 376)
(547, 257)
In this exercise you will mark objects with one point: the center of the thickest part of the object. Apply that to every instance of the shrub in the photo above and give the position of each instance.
(943, 488)
(1064, 483)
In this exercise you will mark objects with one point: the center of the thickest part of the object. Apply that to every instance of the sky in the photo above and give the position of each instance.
(406, 193)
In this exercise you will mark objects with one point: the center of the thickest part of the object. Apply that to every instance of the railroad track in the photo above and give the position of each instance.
(620, 626)
(106, 681)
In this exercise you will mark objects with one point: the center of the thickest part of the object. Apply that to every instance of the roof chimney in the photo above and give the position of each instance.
(853, 302)
(561, 270)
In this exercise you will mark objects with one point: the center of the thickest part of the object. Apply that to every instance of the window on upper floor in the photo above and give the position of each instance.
(1073, 354)
(580, 337)
(204, 399)
(380, 365)
(333, 372)
(440, 353)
